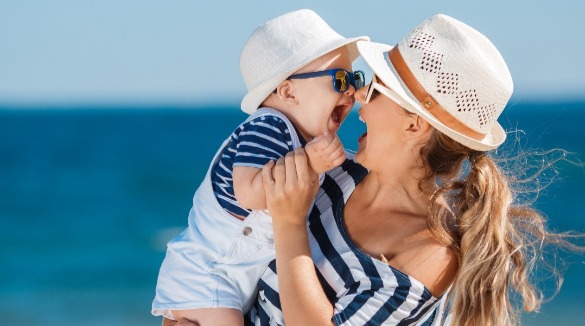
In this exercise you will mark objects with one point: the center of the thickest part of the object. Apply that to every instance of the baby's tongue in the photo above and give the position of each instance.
(335, 116)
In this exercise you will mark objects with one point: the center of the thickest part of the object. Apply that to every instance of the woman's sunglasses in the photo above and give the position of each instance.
(376, 88)
(341, 78)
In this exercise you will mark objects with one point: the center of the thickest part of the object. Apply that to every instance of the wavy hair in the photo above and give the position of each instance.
(498, 240)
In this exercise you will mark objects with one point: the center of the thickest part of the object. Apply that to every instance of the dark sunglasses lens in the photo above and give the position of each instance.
(372, 92)
(340, 83)
(359, 78)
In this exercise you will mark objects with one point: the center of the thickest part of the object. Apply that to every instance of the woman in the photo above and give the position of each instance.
(433, 205)
(421, 215)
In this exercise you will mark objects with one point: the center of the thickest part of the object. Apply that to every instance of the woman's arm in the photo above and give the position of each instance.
(289, 195)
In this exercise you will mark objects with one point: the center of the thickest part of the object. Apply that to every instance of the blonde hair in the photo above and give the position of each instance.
(497, 240)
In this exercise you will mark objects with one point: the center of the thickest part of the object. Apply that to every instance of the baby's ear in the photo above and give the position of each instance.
(286, 92)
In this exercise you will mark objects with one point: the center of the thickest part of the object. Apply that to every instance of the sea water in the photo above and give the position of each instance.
(90, 196)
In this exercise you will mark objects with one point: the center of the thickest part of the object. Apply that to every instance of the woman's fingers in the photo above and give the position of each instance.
(302, 166)
(267, 179)
(288, 188)
(290, 169)
(289, 173)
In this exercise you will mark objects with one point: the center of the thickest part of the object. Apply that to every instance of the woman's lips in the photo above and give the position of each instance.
(365, 134)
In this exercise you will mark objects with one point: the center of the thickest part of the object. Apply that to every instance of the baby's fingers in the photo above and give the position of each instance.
(332, 146)
(338, 156)
(320, 142)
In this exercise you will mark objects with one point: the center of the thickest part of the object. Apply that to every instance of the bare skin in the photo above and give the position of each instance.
(180, 322)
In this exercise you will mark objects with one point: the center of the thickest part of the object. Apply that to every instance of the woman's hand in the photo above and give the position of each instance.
(289, 196)
(289, 188)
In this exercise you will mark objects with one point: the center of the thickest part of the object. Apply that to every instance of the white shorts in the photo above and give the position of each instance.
(215, 262)
(199, 272)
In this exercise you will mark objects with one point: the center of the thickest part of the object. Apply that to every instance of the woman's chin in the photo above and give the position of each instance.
(363, 138)
(359, 153)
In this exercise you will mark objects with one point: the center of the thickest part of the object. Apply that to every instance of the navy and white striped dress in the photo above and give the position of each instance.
(364, 291)
(253, 144)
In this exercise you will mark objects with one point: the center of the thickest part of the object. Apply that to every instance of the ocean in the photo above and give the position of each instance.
(90, 196)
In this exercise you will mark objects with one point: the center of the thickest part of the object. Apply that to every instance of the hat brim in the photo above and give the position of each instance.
(376, 56)
(258, 94)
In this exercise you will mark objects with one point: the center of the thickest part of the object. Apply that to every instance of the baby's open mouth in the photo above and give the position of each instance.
(338, 114)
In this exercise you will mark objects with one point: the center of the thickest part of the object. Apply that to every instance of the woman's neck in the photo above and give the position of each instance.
(397, 191)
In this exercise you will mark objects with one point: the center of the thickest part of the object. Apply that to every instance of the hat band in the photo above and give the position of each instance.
(426, 100)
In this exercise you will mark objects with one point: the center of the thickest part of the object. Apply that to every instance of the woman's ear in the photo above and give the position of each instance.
(417, 126)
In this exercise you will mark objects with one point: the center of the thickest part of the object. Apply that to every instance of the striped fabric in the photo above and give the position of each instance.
(364, 291)
(252, 144)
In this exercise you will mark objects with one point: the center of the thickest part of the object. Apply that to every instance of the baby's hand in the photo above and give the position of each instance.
(324, 153)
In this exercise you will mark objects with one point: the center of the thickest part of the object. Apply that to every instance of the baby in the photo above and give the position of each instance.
(298, 72)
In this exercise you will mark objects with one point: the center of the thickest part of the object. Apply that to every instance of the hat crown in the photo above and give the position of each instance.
(460, 68)
(268, 50)
(282, 46)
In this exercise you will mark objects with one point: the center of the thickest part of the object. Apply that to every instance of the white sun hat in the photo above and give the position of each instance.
(451, 75)
(283, 45)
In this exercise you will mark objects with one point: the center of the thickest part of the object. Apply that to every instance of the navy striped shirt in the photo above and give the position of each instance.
(253, 144)
(363, 290)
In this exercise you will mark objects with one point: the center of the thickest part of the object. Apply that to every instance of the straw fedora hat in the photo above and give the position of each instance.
(283, 45)
(451, 75)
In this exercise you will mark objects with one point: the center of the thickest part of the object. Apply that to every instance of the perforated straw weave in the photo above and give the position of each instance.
(459, 68)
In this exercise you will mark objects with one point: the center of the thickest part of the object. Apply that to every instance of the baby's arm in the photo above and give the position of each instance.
(324, 153)
(248, 187)
(260, 140)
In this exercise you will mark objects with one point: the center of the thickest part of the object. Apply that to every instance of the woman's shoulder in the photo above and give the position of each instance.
(432, 264)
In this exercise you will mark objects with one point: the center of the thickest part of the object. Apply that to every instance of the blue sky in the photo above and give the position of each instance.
(186, 52)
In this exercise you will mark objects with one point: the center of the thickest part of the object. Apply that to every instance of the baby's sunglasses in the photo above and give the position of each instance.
(341, 78)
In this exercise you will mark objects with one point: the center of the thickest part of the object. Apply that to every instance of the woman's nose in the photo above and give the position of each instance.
(360, 94)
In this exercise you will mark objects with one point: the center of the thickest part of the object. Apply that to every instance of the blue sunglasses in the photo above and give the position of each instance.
(341, 78)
